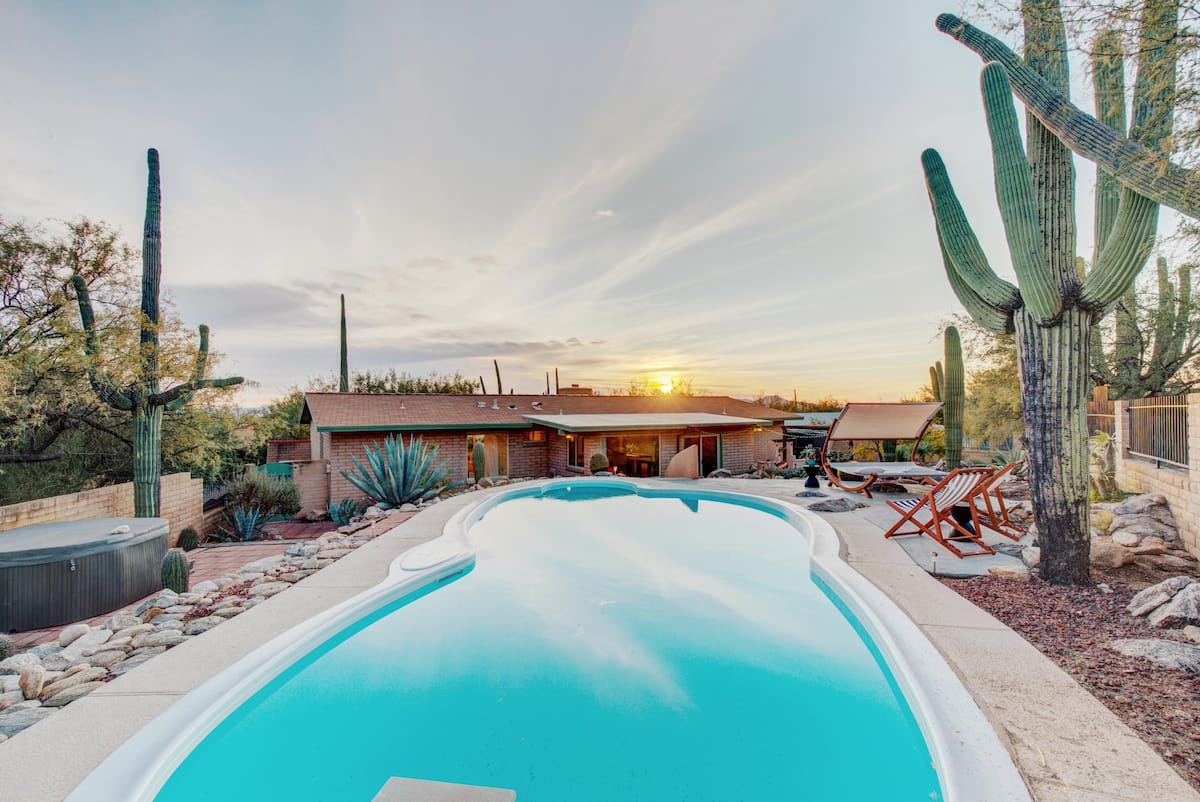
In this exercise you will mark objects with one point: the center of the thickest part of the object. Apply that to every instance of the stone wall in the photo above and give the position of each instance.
(1177, 485)
(181, 502)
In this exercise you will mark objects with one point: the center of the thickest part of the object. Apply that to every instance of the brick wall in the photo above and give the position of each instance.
(289, 450)
(312, 478)
(181, 501)
(1178, 486)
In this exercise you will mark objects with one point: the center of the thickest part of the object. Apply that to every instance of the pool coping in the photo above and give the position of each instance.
(1055, 760)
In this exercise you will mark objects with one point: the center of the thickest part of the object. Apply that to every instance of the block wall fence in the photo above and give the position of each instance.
(1178, 485)
(181, 503)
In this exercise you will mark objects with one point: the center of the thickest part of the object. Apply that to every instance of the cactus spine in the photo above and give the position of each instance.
(142, 398)
(954, 398)
(479, 460)
(344, 368)
(175, 571)
(1054, 305)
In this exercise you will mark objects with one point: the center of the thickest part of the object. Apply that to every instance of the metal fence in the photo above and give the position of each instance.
(1101, 413)
(1158, 430)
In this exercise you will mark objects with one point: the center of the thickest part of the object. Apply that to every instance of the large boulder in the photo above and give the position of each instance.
(1145, 516)
(1182, 609)
(1169, 653)
(836, 505)
(1153, 597)
(1108, 555)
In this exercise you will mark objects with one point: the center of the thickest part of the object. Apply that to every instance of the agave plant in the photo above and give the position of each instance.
(1003, 456)
(396, 474)
(244, 523)
(344, 510)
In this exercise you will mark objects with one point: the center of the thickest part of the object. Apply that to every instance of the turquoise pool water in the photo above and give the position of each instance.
(609, 648)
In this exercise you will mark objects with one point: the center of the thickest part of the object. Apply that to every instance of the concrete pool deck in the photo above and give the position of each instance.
(1066, 744)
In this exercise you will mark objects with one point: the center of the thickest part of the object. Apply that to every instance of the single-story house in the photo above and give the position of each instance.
(543, 435)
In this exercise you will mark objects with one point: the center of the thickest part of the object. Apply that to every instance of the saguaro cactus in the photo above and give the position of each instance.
(499, 386)
(344, 367)
(142, 396)
(1053, 305)
(954, 396)
(479, 460)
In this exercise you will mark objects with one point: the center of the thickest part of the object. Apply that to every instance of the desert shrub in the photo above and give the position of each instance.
(344, 510)
(270, 495)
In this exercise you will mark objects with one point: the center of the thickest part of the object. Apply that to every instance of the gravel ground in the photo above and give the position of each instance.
(1072, 626)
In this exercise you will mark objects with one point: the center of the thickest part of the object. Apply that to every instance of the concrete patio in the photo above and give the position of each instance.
(1066, 744)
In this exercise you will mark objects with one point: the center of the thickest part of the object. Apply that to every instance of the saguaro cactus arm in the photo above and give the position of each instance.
(1014, 192)
(992, 318)
(1108, 84)
(178, 397)
(1133, 164)
(100, 381)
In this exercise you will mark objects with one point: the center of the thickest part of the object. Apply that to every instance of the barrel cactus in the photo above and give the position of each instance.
(6, 647)
(479, 461)
(175, 571)
(189, 539)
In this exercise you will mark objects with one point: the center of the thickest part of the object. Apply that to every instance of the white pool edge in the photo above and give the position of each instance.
(971, 763)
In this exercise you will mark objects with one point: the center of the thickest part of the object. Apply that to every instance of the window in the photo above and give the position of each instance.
(633, 455)
(535, 436)
(495, 454)
(709, 447)
(574, 449)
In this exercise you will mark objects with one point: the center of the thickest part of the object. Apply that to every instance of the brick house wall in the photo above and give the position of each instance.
(312, 477)
(181, 502)
(289, 450)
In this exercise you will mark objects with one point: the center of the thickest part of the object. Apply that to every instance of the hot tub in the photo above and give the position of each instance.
(53, 574)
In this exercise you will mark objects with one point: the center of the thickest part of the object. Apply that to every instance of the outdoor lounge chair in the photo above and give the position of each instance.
(929, 512)
(859, 421)
(990, 509)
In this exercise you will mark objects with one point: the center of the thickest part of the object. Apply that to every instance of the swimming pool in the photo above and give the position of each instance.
(589, 640)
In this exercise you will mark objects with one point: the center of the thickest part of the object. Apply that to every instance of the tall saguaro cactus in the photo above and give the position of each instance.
(344, 363)
(142, 396)
(954, 397)
(1053, 305)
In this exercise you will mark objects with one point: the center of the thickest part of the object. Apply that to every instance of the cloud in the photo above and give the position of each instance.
(604, 213)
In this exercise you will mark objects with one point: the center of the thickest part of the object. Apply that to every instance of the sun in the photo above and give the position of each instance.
(666, 384)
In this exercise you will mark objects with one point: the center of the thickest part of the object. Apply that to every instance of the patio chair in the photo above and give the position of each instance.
(929, 511)
(990, 509)
(882, 421)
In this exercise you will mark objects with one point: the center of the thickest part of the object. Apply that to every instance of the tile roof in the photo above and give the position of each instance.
(378, 411)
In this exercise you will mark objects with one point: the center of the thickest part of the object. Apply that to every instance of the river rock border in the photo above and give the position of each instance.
(40, 680)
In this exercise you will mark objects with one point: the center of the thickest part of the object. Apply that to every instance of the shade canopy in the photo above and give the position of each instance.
(882, 421)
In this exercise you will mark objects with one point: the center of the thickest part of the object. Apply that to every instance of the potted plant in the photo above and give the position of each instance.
(809, 455)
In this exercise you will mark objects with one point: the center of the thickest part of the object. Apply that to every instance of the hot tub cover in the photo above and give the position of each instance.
(46, 543)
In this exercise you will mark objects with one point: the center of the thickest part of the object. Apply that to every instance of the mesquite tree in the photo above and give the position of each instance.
(142, 396)
(1054, 305)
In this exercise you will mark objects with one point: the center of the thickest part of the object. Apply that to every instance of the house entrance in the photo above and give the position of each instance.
(710, 450)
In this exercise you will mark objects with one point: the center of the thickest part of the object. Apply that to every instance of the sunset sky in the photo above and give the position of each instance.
(729, 192)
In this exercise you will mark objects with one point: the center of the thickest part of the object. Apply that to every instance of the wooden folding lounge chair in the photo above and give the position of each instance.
(990, 509)
(859, 421)
(928, 512)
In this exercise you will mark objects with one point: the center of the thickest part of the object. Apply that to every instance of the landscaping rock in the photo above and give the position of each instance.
(1031, 556)
(207, 586)
(10, 698)
(1108, 555)
(85, 642)
(1146, 504)
(133, 632)
(58, 662)
(836, 505)
(269, 588)
(1142, 526)
(1013, 573)
(122, 621)
(167, 637)
(132, 662)
(107, 659)
(1168, 653)
(372, 514)
(1192, 633)
(1151, 546)
(811, 494)
(333, 554)
(89, 674)
(1154, 596)
(18, 663)
(44, 650)
(203, 624)
(312, 516)
(10, 683)
(72, 633)
(720, 473)
(13, 721)
(1125, 537)
(1182, 609)
(229, 612)
(31, 681)
(71, 694)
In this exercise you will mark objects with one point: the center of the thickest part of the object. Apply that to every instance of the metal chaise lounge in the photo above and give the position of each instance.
(879, 421)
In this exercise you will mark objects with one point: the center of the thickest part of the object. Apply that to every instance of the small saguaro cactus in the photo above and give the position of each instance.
(175, 571)
(344, 371)
(142, 396)
(954, 398)
(479, 460)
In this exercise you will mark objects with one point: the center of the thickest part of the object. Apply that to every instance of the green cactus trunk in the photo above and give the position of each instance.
(175, 571)
(479, 461)
(1052, 361)
(889, 450)
(344, 372)
(147, 435)
(955, 398)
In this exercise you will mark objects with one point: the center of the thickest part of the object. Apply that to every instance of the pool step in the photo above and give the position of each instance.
(405, 789)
